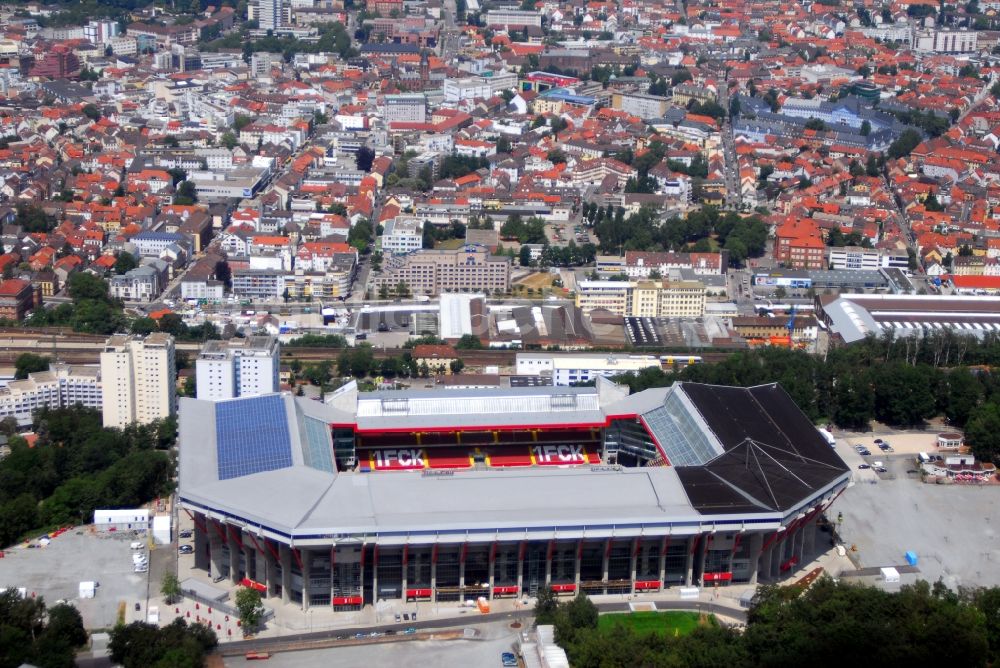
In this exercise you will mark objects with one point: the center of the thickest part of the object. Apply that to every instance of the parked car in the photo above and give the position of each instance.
(863, 466)
(185, 549)
(881, 469)
(409, 631)
(185, 534)
(398, 618)
(508, 659)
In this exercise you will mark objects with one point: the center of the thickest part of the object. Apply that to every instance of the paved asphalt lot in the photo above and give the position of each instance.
(56, 571)
(952, 528)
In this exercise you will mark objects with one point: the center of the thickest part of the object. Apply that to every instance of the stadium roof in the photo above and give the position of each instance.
(734, 451)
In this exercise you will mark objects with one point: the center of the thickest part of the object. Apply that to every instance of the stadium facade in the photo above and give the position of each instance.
(454, 494)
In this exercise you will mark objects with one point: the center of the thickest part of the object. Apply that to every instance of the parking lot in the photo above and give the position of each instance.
(949, 527)
(55, 572)
(497, 638)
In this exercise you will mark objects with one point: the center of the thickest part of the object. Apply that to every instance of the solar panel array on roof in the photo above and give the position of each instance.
(252, 436)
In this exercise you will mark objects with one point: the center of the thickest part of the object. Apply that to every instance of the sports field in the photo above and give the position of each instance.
(672, 623)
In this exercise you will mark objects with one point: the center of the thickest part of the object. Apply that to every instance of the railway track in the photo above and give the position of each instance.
(74, 348)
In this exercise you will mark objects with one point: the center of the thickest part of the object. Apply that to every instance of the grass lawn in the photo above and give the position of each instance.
(450, 244)
(537, 280)
(674, 623)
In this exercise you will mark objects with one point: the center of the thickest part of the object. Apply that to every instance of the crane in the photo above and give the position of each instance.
(791, 324)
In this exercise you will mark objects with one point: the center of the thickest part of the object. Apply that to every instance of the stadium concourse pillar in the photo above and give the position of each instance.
(605, 562)
(304, 556)
(215, 550)
(270, 569)
(434, 574)
(634, 559)
(692, 543)
(756, 542)
(234, 557)
(578, 564)
(286, 572)
(201, 541)
(810, 530)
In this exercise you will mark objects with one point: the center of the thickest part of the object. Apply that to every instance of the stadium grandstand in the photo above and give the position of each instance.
(451, 495)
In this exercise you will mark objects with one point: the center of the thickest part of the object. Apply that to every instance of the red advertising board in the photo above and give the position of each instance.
(505, 590)
(418, 593)
(346, 600)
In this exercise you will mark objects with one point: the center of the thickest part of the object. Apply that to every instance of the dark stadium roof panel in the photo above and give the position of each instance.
(774, 456)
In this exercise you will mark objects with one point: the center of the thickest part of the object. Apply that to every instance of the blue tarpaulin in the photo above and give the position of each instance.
(911, 558)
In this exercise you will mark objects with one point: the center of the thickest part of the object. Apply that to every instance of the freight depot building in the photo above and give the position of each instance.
(453, 494)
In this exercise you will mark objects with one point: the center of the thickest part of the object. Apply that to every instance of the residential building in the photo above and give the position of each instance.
(141, 284)
(941, 40)
(430, 272)
(641, 105)
(402, 235)
(139, 379)
(798, 243)
(512, 18)
(269, 14)
(17, 297)
(259, 284)
(437, 358)
(405, 108)
(239, 367)
(59, 387)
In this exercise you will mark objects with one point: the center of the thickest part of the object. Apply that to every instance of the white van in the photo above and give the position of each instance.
(139, 559)
(137, 545)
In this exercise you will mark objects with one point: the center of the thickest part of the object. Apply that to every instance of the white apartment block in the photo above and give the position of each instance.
(946, 41)
(867, 259)
(139, 379)
(570, 369)
(59, 387)
(405, 108)
(238, 368)
(402, 235)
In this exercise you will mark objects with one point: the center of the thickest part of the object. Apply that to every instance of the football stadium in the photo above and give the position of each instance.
(450, 494)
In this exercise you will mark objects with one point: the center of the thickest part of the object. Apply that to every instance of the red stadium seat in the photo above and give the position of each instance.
(509, 455)
(449, 458)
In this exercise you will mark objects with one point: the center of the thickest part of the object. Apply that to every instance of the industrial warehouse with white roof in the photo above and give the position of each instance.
(433, 495)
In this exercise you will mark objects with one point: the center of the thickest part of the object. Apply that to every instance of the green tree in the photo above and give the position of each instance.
(26, 363)
(866, 128)
(982, 432)
(250, 608)
(905, 144)
(229, 140)
(546, 606)
(125, 262)
(170, 588)
(469, 342)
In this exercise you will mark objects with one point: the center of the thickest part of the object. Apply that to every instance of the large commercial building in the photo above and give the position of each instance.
(566, 369)
(643, 299)
(59, 387)
(451, 495)
(855, 316)
(245, 367)
(139, 379)
(430, 272)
